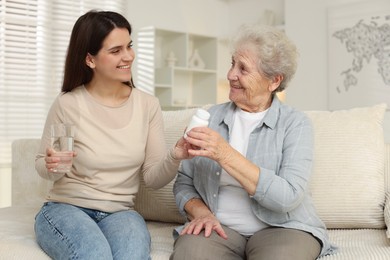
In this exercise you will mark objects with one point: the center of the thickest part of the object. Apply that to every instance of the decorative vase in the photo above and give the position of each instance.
(196, 61)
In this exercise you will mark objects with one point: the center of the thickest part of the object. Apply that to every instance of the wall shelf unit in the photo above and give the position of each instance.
(177, 67)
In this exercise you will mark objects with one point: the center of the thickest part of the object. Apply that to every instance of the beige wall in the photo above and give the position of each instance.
(306, 24)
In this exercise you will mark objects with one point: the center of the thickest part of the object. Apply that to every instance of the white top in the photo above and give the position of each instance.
(234, 203)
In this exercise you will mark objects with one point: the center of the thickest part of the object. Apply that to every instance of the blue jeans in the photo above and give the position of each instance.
(64, 231)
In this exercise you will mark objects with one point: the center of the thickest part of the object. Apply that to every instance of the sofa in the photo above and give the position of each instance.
(350, 185)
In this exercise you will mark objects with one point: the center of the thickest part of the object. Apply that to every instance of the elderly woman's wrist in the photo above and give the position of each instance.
(227, 156)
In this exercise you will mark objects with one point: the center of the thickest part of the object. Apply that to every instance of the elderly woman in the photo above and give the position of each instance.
(245, 192)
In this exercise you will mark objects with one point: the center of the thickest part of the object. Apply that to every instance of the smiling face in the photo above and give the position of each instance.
(249, 89)
(113, 61)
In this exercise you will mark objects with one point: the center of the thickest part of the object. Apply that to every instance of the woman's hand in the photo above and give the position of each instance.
(181, 149)
(201, 219)
(52, 160)
(208, 143)
(208, 223)
(213, 146)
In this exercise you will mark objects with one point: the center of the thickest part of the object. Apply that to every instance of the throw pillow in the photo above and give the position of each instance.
(347, 184)
(160, 205)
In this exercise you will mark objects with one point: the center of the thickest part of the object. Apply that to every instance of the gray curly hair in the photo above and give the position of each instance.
(277, 55)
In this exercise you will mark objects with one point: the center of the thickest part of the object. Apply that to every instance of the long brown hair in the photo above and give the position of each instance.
(87, 36)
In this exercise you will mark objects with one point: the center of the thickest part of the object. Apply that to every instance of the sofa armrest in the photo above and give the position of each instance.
(387, 214)
(28, 188)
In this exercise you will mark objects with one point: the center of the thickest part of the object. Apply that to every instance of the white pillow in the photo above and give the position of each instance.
(347, 184)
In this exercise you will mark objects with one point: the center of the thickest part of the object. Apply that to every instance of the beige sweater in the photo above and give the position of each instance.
(114, 145)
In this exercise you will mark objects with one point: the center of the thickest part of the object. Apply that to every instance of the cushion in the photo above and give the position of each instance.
(160, 205)
(347, 184)
(387, 214)
(387, 184)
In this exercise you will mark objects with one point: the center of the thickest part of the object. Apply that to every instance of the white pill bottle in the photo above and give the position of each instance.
(200, 118)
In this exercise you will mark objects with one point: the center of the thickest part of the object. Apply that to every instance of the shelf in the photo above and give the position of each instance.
(195, 70)
(162, 85)
(177, 67)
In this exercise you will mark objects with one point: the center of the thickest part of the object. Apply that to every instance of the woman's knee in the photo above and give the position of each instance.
(190, 247)
(126, 224)
(127, 234)
(213, 247)
(65, 232)
(282, 243)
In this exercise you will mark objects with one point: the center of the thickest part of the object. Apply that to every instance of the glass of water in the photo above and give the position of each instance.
(62, 136)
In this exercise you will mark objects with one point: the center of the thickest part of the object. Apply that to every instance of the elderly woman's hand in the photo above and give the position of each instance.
(210, 144)
(208, 223)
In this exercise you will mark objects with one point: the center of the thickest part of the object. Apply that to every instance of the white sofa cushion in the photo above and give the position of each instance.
(348, 172)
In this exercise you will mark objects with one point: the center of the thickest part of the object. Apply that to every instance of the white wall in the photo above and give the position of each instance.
(306, 24)
(200, 16)
(210, 17)
(250, 11)
(240, 12)
(218, 18)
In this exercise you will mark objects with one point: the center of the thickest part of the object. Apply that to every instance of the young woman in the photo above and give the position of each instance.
(119, 135)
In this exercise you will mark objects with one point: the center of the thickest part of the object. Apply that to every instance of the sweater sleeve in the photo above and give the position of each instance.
(160, 166)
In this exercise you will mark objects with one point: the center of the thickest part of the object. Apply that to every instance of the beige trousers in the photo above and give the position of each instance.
(268, 244)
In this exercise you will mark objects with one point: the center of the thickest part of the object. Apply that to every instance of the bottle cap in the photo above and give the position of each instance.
(203, 114)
